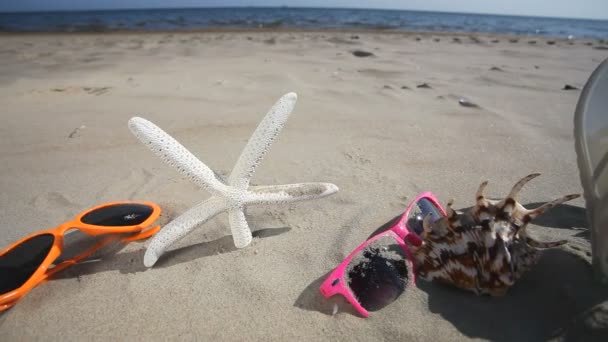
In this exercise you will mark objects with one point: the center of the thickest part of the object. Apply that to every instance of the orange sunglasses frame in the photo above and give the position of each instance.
(43, 273)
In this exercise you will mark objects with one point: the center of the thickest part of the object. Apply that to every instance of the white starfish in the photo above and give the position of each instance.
(233, 195)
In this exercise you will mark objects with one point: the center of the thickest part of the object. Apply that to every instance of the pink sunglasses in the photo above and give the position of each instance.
(378, 271)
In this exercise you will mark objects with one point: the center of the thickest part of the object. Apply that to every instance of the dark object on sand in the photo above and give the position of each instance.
(536, 67)
(475, 39)
(495, 68)
(418, 39)
(354, 37)
(513, 40)
(550, 42)
(386, 86)
(569, 87)
(591, 325)
(531, 42)
(456, 40)
(405, 87)
(361, 53)
(437, 39)
(466, 103)
(495, 41)
(601, 47)
(424, 86)
(591, 136)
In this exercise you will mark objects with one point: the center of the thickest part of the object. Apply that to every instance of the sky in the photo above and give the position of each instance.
(592, 9)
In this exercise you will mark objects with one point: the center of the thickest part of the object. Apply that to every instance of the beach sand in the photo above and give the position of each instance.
(361, 123)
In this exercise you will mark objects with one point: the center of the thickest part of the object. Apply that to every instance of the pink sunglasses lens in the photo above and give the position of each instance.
(420, 209)
(378, 274)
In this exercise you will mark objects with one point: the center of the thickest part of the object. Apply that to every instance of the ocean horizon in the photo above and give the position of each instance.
(176, 19)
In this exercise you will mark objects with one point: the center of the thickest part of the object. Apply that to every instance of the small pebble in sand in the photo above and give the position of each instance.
(76, 132)
(361, 53)
(536, 67)
(418, 39)
(569, 87)
(424, 86)
(495, 68)
(405, 87)
(467, 103)
(386, 86)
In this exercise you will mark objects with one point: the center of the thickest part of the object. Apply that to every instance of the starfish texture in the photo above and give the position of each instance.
(232, 195)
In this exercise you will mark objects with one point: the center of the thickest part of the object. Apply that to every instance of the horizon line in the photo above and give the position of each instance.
(287, 7)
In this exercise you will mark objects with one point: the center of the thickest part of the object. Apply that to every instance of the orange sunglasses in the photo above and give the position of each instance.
(32, 260)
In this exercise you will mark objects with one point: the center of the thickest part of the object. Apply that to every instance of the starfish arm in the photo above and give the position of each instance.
(261, 140)
(241, 234)
(181, 226)
(176, 155)
(288, 193)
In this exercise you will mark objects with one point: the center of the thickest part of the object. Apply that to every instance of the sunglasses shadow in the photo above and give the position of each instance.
(132, 262)
(311, 299)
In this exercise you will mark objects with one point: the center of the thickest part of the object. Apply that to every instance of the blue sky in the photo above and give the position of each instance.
(596, 9)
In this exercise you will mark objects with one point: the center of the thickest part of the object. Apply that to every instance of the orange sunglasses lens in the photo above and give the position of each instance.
(117, 215)
(18, 264)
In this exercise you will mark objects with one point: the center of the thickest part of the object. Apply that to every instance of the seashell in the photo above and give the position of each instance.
(485, 249)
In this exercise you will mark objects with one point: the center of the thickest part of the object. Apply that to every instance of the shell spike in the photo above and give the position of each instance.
(479, 196)
(451, 214)
(520, 184)
(534, 213)
(426, 224)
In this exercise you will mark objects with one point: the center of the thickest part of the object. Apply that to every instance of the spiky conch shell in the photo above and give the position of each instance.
(485, 249)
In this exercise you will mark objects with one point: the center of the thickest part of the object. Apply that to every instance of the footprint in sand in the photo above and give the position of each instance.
(89, 90)
(53, 202)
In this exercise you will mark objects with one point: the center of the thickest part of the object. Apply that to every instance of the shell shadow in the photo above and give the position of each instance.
(563, 216)
(545, 304)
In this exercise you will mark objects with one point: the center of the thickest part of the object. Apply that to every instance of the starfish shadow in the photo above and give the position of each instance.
(132, 261)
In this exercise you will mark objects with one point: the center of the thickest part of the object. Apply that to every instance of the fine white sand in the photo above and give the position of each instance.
(65, 146)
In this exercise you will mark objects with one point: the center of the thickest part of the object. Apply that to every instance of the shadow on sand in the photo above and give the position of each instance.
(544, 304)
(132, 262)
(557, 300)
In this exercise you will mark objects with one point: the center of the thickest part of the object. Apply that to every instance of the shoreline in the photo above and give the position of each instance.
(244, 30)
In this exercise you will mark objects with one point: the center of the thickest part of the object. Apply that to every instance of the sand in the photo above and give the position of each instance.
(361, 123)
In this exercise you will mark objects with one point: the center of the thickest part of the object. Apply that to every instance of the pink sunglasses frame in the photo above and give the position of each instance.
(335, 283)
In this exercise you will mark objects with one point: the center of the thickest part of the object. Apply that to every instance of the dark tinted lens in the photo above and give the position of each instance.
(378, 274)
(419, 211)
(118, 215)
(18, 264)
